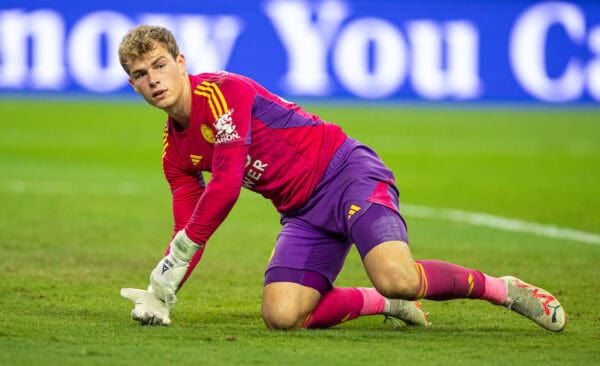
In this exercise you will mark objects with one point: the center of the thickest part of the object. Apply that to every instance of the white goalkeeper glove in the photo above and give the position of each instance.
(152, 306)
(149, 309)
(169, 272)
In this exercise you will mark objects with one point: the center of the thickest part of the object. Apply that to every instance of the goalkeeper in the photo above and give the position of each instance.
(331, 190)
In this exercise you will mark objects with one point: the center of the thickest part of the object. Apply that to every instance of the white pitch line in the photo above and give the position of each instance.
(500, 223)
(426, 212)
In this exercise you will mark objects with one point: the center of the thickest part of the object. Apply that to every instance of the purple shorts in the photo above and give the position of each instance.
(355, 202)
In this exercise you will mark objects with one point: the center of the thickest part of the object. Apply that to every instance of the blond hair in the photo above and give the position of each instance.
(143, 39)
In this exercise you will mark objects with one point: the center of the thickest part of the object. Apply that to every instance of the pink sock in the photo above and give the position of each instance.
(373, 301)
(343, 304)
(495, 290)
(445, 281)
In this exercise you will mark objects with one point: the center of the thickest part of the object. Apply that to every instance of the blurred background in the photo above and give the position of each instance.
(428, 50)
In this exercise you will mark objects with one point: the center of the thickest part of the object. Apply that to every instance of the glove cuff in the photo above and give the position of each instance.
(183, 248)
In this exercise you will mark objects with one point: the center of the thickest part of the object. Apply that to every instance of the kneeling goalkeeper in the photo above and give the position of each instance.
(331, 190)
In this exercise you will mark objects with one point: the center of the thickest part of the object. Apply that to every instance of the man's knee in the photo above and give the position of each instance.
(397, 286)
(287, 305)
(392, 271)
(281, 317)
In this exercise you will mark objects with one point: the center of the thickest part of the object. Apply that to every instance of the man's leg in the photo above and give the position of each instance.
(381, 239)
(342, 304)
(395, 274)
(289, 305)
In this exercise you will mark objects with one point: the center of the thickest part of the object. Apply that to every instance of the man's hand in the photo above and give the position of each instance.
(170, 271)
(149, 309)
(152, 307)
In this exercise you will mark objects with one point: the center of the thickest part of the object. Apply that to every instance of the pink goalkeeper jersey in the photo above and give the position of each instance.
(245, 136)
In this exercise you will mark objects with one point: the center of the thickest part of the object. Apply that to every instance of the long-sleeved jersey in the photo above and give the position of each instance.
(244, 136)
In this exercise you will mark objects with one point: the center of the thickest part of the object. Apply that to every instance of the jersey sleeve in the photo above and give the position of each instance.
(186, 190)
(231, 104)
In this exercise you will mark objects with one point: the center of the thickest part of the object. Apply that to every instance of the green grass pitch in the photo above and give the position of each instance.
(85, 211)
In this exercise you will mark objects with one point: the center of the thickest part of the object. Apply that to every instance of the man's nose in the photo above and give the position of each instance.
(153, 77)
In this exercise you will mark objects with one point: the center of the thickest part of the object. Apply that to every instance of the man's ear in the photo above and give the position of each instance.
(133, 86)
(181, 63)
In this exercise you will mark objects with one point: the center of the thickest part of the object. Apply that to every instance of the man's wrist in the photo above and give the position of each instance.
(184, 248)
(170, 271)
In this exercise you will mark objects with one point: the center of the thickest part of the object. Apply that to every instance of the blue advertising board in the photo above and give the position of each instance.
(432, 50)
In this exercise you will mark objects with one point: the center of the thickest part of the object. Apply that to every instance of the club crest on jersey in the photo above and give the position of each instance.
(225, 128)
(207, 133)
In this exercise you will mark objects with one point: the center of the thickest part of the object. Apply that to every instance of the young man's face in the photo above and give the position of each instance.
(158, 77)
